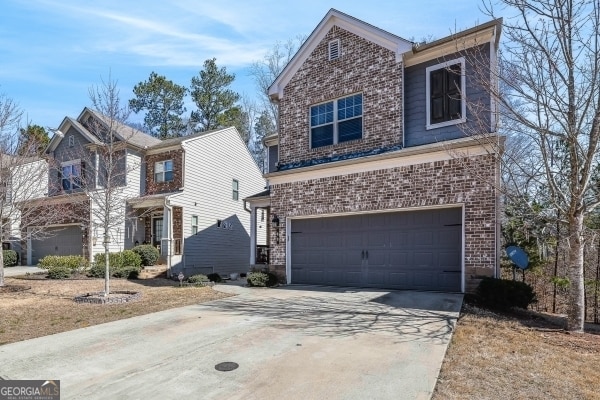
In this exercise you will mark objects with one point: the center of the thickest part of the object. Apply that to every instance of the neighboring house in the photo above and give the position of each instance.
(373, 179)
(182, 195)
(21, 179)
(192, 207)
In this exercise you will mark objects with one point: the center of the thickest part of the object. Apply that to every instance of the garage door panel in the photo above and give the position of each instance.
(423, 238)
(353, 278)
(59, 241)
(406, 250)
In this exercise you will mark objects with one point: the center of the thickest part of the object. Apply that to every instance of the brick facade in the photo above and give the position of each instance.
(153, 187)
(363, 67)
(461, 181)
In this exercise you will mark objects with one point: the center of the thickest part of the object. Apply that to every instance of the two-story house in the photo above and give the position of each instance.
(192, 206)
(378, 176)
(182, 195)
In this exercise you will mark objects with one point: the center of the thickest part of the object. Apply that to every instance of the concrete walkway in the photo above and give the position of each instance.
(297, 342)
(16, 271)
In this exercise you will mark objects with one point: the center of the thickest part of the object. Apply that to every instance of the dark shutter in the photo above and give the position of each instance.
(453, 78)
(436, 86)
(83, 174)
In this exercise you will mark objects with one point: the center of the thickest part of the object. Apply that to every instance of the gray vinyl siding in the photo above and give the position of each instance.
(415, 98)
(273, 157)
(211, 163)
(64, 153)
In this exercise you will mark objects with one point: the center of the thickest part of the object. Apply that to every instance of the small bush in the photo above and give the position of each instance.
(198, 278)
(59, 272)
(502, 294)
(214, 277)
(261, 279)
(148, 253)
(10, 258)
(74, 263)
(125, 264)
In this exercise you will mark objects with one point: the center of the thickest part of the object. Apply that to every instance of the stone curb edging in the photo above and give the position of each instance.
(98, 297)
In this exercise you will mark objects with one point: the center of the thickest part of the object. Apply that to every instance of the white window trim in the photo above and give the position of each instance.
(71, 141)
(335, 121)
(192, 225)
(463, 94)
(235, 191)
(163, 162)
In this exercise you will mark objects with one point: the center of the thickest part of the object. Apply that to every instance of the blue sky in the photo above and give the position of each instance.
(52, 51)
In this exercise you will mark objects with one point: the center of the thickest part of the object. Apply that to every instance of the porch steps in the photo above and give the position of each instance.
(155, 271)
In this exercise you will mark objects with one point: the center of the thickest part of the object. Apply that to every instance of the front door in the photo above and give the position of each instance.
(157, 228)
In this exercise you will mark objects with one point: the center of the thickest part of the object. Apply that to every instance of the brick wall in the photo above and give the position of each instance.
(153, 187)
(458, 181)
(363, 67)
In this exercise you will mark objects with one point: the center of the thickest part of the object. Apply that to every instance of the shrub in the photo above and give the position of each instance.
(74, 263)
(502, 294)
(148, 253)
(59, 272)
(125, 264)
(198, 278)
(262, 279)
(10, 258)
(214, 277)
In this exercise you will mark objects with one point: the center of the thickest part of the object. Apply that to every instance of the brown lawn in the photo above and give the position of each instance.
(47, 306)
(518, 357)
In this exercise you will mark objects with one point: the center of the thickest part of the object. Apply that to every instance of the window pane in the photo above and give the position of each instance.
(169, 165)
(350, 107)
(321, 114)
(235, 184)
(168, 176)
(350, 129)
(322, 136)
(66, 184)
(158, 167)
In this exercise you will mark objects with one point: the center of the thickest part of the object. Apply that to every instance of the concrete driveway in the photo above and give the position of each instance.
(297, 342)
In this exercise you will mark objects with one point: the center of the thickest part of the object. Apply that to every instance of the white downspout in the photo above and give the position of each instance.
(169, 236)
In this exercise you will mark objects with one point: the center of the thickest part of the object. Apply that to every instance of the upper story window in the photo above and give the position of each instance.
(70, 175)
(445, 87)
(194, 224)
(71, 141)
(163, 171)
(235, 185)
(336, 121)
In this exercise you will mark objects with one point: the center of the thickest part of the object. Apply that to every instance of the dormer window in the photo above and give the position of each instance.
(163, 171)
(336, 121)
(334, 49)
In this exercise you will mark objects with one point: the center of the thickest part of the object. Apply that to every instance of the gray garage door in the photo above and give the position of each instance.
(63, 241)
(402, 250)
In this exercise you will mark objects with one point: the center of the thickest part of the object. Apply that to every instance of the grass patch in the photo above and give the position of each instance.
(496, 356)
(47, 307)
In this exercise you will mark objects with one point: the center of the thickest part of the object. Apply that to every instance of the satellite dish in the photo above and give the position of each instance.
(518, 256)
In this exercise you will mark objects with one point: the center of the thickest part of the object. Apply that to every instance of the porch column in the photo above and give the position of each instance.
(253, 235)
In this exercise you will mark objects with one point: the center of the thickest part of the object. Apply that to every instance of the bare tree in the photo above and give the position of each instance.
(23, 182)
(264, 73)
(107, 165)
(549, 95)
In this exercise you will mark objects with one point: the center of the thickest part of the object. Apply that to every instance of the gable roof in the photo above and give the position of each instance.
(348, 23)
(123, 132)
